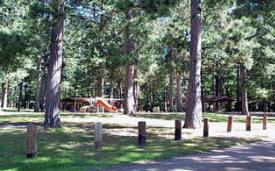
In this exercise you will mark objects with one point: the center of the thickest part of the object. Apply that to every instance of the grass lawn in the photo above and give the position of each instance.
(213, 117)
(71, 147)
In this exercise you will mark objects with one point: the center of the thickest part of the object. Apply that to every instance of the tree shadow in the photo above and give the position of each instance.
(71, 148)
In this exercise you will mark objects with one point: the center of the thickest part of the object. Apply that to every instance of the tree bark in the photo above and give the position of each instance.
(38, 85)
(228, 104)
(151, 100)
(238, 90)
(217, 90)
(12, 96)
(27, 95)
(42, 95)
(179, 94)
(164, 102)
(111, 90)
(193, 117)
(171, 104)
(119, 89)
(4, 94)
(119, 93)
(52, 118)
(245, 110)
(100, 85)
(20, 97)
(129, 101)
(136, 89)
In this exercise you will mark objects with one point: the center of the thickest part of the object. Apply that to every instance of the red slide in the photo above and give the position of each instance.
(106, 105)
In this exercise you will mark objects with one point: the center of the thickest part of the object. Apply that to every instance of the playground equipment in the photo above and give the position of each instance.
(86, 104)
(107, 106)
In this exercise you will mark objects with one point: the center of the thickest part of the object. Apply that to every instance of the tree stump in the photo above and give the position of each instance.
(31, 141)
(177, 130)
(98, 136)
(142, 133)
(248, 123)
(229, 124)
(264, 122)
(205, 127)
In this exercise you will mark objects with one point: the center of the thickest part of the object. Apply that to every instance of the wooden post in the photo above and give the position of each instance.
(205, 127)
(248, 123)
(142, 133)
(177, 129)
(98, 136)
(229, 124)
(31, 141)
(264, 122)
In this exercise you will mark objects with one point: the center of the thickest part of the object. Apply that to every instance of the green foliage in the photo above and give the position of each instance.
(94, 45)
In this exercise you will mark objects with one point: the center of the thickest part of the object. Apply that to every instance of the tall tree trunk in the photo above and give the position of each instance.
(264, 105)
(151, 100)
(27, 95)
(11, 97)
(42, 95)
(38, 85)
(245, 110)
(119, 93)
(194, 105)
(171, 82)
(100, 85)
(136, 90)
(164, 102)
(217, 90)
(4, 94)
(238, 90)
(20, 96)
(119, 90)
(229, 103)
(111, 90)
(179, 94)
(52, 118)
(129, 101)
(273, 88)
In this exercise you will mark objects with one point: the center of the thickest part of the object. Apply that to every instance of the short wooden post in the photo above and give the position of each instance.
(264, 122)
(98, 136)
(205, 127)
(31, 141)
(229, 124)
(248, 123)
(177, 129)
(142, 133)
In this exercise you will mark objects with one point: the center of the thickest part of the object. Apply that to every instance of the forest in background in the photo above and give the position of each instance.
(138, 46)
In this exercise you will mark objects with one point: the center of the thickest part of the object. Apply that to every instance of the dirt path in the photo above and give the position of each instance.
(256, 156)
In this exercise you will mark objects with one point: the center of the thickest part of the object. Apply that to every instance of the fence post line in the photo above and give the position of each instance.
(141, 133)
(229, 123)
(98, 136)
(205, 127)
(264, 122)
(248, 123)
(31, 141)
(177, 129)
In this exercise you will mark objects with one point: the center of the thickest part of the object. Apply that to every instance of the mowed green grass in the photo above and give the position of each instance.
(71, 148)
(213, 117)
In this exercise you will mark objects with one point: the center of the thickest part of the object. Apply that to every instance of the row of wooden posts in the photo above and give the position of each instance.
(32, 133)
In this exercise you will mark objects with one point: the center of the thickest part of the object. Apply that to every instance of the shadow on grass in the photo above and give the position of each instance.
(213, 117)
(72, 149)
